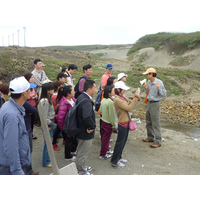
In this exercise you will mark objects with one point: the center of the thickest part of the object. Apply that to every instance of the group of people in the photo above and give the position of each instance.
(19, 114)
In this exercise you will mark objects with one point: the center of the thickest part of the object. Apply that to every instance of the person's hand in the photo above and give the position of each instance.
(73, 79)
(90, 131)
(137, 93)
(146, 85)
(158, 86)
(114, 129)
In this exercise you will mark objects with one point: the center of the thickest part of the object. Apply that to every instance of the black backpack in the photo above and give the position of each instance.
(98, 100)
(71, 127)
(76, 88)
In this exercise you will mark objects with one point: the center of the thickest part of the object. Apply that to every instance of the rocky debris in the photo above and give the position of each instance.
(175, 112)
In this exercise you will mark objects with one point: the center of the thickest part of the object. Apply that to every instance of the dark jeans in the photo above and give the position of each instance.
(70, 146)
(120, 144)
(56, 133)
(6, 170)
(30, 135)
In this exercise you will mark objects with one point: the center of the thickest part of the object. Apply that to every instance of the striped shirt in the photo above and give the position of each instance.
(39, 77)
(154, 93)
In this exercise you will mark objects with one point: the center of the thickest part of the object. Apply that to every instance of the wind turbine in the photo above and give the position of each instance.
(18, 37)
(13, 38)
(9, 40)
(24, 36)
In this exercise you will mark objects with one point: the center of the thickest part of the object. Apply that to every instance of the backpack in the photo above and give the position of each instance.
(76, 88)
(98, 100)
(71, 121)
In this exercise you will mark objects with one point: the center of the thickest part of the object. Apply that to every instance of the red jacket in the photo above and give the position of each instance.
(64, 107)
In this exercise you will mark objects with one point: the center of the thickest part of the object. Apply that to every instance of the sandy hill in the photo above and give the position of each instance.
(162, 58)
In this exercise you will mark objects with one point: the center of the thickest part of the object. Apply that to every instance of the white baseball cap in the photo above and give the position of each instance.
(20, 85)
(121, 85)
(121, 75)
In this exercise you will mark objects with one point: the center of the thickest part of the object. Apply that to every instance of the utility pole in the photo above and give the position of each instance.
(2, 41)
(18, 37)
(24, 36)
(9, 40)
(13, 38)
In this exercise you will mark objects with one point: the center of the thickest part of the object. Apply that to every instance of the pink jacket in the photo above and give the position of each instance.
(64, 107)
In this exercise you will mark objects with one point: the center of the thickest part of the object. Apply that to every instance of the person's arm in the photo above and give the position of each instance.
(46, 110)
(11, 144)
(29, 108)
(103, 81)
(87, 111)
(161, 89)
(124, 105)
(111, 114)
(81, 85)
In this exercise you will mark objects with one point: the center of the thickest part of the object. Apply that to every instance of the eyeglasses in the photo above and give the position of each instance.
(148, 74)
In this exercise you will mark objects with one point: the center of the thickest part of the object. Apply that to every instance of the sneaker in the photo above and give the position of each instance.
(155, 145)
(123, 161)
(111, 140)
(74, 153)
(88, 169)
(55, 147)
(87, 173)
(107, 156)
(109, 152)
(73, 159)
(147, 140)
(119, 164)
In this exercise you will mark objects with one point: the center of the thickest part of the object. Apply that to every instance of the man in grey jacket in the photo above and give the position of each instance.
(155, 91)
(15, 154)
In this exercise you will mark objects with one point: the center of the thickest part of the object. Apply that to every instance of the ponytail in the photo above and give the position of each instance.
(63, 91)
(60, 94)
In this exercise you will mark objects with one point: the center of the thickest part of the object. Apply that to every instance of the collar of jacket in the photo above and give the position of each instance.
(21, 109)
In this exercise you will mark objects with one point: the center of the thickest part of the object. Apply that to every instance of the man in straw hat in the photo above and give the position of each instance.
(155, 91)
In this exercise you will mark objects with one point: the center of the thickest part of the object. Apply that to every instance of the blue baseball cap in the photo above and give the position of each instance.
(32, 85)
(109, 66)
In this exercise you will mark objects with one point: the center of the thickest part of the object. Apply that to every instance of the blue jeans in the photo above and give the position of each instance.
(45, 157)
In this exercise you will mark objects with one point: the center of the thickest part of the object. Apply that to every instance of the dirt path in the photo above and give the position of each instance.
(178, 155)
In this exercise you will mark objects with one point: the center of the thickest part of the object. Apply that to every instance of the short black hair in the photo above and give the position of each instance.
(110, 80)
(107, 90)
(60, 75)
(15, 96)
(86, 67)
(72, 66)
(64, 69)
(88, 84)
(36, 61)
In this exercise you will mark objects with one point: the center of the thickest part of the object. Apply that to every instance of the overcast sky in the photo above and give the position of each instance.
(85, 22)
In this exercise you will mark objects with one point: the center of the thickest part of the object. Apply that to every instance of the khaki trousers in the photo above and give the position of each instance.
(83, 150)
(153, 122)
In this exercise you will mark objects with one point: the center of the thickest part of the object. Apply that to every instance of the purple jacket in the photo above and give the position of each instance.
(64, 107)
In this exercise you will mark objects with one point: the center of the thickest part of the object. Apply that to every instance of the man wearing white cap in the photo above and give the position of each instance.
(15, 154)
(155, 91)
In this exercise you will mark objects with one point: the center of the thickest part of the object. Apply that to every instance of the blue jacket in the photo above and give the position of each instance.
(14, 141)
